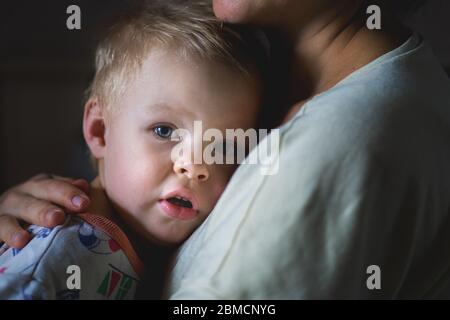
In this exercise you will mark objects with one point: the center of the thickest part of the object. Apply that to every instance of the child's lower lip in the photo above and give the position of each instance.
(177, 212)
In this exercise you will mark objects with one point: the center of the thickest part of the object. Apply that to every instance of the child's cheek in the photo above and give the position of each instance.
(125, 174)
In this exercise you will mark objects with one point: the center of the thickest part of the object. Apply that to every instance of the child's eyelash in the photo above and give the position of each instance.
(163, 131)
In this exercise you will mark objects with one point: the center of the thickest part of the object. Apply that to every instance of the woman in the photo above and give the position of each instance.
(364, 171)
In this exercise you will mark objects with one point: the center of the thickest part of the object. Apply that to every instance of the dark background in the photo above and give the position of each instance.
(45, 69)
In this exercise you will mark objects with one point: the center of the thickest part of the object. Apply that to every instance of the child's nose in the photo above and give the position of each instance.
(192, 171)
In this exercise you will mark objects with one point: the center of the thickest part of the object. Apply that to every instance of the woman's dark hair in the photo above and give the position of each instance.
(397, 8)
(404, 8)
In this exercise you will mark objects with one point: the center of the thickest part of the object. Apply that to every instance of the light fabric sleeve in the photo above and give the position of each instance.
(40, 269)
(364, 180)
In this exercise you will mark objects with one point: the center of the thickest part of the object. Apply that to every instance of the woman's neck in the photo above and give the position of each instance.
(333, 45)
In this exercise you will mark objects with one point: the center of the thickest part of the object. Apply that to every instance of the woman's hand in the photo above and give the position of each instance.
(42, 200)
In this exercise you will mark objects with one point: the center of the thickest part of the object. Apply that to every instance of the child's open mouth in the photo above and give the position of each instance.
(180, 204)
(180, 201)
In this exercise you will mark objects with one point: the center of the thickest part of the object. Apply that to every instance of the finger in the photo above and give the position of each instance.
(79, 183)
(43, 176)
(83, 185)
(61, 193)
(32, 210)
(40, 176)
(11, 232)
(54, 176)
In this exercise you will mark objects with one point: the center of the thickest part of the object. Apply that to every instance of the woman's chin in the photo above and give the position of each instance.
(234, 11)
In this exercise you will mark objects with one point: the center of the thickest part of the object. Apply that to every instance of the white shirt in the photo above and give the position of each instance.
(364, 179)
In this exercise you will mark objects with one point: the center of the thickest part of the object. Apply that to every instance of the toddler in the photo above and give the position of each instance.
(160, 69)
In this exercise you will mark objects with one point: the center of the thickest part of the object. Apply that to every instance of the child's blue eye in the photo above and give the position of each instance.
(163, 132)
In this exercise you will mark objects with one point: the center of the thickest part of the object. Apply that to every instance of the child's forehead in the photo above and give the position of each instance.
(173, 56)
(178, 72)
(170, 84)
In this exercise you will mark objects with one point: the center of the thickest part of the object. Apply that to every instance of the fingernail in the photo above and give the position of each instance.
(80, 201)
(54, 215)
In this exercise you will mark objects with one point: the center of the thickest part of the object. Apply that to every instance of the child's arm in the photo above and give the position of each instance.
(73, 261)
(17, 286)
(19, 279)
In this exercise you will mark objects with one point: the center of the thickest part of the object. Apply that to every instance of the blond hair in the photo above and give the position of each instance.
(189, 27)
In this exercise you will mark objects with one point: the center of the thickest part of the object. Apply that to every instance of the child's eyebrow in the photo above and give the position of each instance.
(162, 107)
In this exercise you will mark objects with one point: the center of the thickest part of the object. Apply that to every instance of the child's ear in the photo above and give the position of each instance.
(94, 127)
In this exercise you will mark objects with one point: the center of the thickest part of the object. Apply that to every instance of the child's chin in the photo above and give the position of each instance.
(173, 238)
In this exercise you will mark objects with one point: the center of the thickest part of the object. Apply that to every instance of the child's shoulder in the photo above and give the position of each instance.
(80, 245)
(41, 239)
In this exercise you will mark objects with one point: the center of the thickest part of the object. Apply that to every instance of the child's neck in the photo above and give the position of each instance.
(100, 205)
